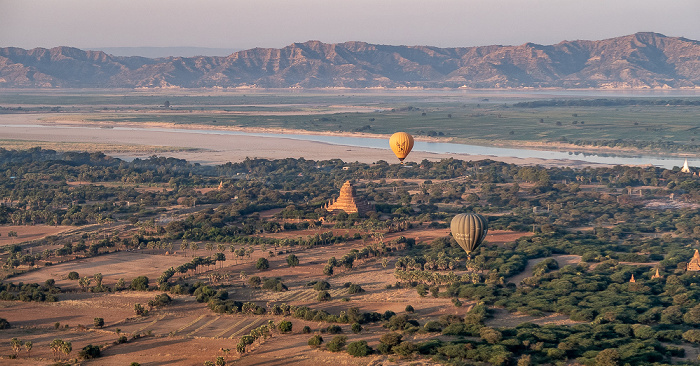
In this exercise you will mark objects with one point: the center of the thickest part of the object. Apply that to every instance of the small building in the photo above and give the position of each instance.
(694, 264)
(632, 279)
(656, 275)
(349, 202)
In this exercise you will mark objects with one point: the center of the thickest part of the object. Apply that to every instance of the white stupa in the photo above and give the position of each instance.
(685, 168)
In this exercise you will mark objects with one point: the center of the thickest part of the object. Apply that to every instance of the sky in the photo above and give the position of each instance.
(243, 24)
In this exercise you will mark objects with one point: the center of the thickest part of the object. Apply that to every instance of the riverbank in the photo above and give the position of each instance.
(191, 144)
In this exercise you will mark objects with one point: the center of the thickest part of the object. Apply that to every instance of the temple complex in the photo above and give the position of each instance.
(694, 264)
(348, 202)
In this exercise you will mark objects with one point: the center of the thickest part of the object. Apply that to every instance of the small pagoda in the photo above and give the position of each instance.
(632, 280)
(685, 168)
(349, 202)
(656, 275)
(694, 264)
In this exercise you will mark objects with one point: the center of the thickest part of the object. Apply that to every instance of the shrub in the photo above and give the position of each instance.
(692, 335)
(140, 310)
(98, 322)
(359, 349)
(73, 276)
(89, 352)
(322, 285)
(356, 328)
(274, 284)
(285, 326)
(409, 309)
(315, 341)
(140, 283)
(292, 260)
(405, 349)
(262, 264)
(254, 281)
(4, 324)
(323, 296)
(490, 335)
(454, 329)
(433, 326)
(391, 339)
(355, 289)
(306, 329)
(337, 343)
(607, 357)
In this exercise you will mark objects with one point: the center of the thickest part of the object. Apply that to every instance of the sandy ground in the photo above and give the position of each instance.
(113, 266)
(219, 149)
(27, 233)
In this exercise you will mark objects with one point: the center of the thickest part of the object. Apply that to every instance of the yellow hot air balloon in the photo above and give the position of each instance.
(401, 143)
(469, 231)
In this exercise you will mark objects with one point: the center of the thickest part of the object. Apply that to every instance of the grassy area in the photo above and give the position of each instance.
(470, 117)
(88, 147)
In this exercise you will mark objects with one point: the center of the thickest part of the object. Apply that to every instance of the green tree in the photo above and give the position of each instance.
(405, 349)
(608, 357)
(89, 352)
(323, 296)
(292, 260)
(28, 346)
(315, 341)
(140, 283)
(98, 322)
(490, 335)
(692, 336)
(16, 345)
(284, 326)
(73, 276)
(262, 264)
(337, 343)
(67, 348)
(359, 349)
(140, 310)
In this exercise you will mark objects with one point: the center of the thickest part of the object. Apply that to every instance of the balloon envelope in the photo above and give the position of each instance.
(401, 144)
(469, 230)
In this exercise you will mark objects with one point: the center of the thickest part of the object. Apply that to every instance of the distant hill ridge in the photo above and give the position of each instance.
(641, 60)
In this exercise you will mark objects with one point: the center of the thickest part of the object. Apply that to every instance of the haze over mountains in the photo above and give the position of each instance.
(641, 60)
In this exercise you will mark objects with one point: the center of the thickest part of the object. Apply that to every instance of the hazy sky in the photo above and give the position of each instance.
(276, 23)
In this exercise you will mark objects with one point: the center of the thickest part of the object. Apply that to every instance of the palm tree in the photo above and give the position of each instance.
(28, 346)
(16, 345)
(66, 348)
(55, 346)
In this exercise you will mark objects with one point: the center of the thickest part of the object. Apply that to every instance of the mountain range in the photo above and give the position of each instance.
(641, 60)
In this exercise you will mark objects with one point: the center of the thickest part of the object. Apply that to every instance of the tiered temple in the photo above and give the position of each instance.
(694, 264)
(348, 202)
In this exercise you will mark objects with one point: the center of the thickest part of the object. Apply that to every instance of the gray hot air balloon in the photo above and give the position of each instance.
(469, 230)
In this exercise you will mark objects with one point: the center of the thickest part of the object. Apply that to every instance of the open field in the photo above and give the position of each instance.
(186, 332)
(28, 233)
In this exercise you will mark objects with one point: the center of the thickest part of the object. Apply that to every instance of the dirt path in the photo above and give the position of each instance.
(562, 260)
